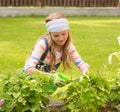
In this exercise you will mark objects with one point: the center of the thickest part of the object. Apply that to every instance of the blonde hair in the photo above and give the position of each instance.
(65, 51)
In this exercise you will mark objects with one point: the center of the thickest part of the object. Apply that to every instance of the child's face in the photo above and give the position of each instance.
(60, 37)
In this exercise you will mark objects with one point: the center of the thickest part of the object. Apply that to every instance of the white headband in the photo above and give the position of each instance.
(57, 25)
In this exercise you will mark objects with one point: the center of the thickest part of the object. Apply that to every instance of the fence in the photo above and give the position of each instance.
(19, 3)
(81, 3)
(60, 3)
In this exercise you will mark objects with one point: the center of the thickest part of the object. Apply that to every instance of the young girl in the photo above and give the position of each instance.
(54, 48)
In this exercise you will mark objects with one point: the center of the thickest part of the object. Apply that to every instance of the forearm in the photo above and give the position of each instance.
(82, 66)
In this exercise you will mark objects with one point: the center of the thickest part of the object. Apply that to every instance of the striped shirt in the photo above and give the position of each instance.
(40, 48)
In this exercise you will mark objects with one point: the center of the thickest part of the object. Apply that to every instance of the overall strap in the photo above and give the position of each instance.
(46, 50)
(57, 65)
(43, 66)
(45, 54)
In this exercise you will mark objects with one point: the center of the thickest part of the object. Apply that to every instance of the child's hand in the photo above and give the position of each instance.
(85, 69)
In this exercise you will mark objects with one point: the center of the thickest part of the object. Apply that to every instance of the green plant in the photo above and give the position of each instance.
(87, 95)
(23, 92)
(115, 92)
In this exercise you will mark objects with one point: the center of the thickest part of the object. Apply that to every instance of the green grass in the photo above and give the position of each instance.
(94, 38)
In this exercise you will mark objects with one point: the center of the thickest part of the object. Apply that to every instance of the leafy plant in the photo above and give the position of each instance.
(115, 92)
(87, 95)
(23, 92)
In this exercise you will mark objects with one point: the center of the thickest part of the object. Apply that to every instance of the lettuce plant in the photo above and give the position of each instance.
(22, 92)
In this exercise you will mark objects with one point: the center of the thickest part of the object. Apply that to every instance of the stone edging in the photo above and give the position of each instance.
(24, 11)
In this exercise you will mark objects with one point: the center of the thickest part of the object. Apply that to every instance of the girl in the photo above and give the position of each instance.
(54, 48)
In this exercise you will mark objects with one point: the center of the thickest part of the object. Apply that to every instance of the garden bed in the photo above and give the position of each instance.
(88, 94)
(56, 106)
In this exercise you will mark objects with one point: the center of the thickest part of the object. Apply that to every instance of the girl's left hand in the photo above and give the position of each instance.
(85, 69)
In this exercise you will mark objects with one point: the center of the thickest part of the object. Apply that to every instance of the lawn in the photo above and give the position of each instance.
(94, 37)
